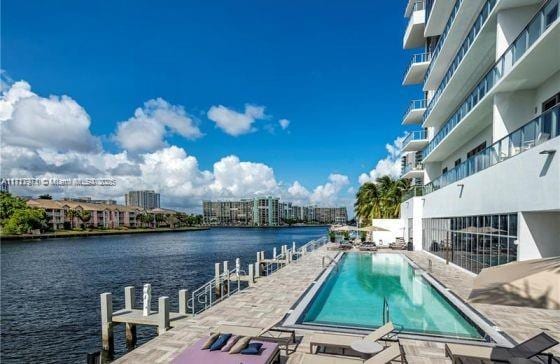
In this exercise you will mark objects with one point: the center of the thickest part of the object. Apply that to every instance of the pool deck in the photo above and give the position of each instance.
(272, 297)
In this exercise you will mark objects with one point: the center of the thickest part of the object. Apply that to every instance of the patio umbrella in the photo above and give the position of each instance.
(372, 228)
(344, 228)
(530, 283)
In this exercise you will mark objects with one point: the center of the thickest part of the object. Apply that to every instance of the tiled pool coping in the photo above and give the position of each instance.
(482, 323)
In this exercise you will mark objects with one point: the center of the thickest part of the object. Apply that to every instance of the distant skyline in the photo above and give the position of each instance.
(204, 100)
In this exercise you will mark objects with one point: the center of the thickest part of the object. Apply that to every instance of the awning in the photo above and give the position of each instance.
(530, 283)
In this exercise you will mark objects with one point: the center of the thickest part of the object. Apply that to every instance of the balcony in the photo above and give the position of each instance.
(475, 48)
(415, 141)
(414, 34)
(413, 170)
(414, 191)
(460, 20)
(437, 13)
(509, 73)
(414, 113)
(417, 68)
(532, 134)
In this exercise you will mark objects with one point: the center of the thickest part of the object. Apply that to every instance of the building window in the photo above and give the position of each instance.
(444, 171)
(476, 150)
(472, 242)
(550, 103)
(457, 162)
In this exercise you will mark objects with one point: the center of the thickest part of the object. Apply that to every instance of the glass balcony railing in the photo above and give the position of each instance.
(528, 36)
(415, 191)
(443, 35)
(415, 135)
(415, 104)
(535, 132)
(412, 167)
(469, 40)
(418, 58)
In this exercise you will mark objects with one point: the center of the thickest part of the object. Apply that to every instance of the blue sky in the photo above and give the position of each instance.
(333, 69)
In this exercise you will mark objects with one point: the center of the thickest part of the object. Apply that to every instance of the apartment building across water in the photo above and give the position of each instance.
(268, 211)
(485, 155)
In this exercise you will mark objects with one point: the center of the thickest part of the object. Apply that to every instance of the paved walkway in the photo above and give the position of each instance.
(271, 297)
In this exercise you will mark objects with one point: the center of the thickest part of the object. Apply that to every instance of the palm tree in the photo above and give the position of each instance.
(72, 214)
(84, 216)
(380, 199)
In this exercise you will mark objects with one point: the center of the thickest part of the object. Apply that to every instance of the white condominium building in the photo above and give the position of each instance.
(486, 153)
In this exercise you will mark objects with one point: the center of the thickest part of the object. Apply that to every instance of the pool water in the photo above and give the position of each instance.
(353, 296)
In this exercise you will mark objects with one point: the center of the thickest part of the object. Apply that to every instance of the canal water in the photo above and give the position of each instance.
(50, 289)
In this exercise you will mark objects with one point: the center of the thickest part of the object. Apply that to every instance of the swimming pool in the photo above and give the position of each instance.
(354, 292)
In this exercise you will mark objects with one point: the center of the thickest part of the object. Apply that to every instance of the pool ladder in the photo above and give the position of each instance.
(386, 317)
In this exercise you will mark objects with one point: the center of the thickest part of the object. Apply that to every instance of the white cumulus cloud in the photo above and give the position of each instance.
(27, 119)
(233, 122)
(328, 193)
(284, 123)
(51, 138)
(147, 129)
(390, 165)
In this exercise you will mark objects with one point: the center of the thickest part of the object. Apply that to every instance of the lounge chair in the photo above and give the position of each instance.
(343, 341)
(398, 245)
(267, 333)
(269, 353)
(527, 349)
(385, 356)
(368, 247)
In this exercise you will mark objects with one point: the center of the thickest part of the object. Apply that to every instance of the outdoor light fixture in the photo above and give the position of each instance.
(460, 185)
(550, 151)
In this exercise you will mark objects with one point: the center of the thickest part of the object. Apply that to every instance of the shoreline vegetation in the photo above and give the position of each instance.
(87, 233)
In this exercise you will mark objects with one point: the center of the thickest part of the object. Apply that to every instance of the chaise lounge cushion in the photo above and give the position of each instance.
(220, 342)
(195, 355)
(240, 345)
(232, 340)
(209, 341)
(252, 349)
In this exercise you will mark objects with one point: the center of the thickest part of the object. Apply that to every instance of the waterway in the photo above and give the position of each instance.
(50, 288)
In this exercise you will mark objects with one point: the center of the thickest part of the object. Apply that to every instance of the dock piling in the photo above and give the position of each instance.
(107, 322)
(251, 275)
(130, 329)
(274, 253)
(216, 279)
(129, 297)
(163, 315)
(257, 269)
(147, 299)
(183, 300)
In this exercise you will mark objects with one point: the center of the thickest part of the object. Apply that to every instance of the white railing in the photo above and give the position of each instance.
(221, 286)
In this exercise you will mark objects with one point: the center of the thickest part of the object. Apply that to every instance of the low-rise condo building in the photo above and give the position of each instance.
(486, 152)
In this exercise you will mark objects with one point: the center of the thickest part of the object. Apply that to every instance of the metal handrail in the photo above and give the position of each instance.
(418, 58)
(386, 315)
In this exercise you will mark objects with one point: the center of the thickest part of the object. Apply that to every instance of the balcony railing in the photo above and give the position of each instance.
(415, 191)
(535, 132)
(528, 36)
(412, 167)
(418, 58)
(469, 40)
(443, 36)
(415, 104)
(415, 135)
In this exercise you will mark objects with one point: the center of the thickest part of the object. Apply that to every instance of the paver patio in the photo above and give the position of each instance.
(271, 298)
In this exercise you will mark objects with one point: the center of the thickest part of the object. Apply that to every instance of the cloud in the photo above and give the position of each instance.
(327, 194)
(233, 178)
(168, 169)
(235, 123)
(29, 120)
(390, 165)
(147, 129)
(284, 123)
